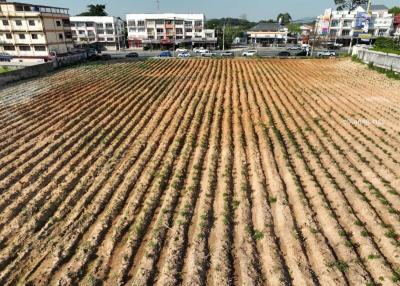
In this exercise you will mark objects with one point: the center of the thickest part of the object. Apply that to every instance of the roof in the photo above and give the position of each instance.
(162, 16)
(33, 5)
(266, 27)
(375, 7)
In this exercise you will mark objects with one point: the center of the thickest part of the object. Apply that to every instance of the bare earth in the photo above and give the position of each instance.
(201, 172)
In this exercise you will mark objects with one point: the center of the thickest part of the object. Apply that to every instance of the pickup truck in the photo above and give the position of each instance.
(326, 54)
(207, 53)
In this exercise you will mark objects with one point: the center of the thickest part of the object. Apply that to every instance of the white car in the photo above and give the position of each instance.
(181, 50)
(250, 53)
(184, 55)
(294, 48)
(199, 50)
(326, 54)
(207, 53)
(226, 54)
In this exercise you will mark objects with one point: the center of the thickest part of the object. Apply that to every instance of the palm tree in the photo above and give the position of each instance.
(284, 18)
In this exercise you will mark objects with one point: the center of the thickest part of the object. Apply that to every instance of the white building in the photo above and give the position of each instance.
(169, 30)
(106, 32)
(343, 25)
(267, 34)
(29, 31)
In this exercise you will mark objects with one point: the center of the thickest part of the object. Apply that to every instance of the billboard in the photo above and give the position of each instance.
(362, 24)
(326, 22)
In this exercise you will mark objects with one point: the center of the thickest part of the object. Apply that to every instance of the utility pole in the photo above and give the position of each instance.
(223, 37)
(315, 37)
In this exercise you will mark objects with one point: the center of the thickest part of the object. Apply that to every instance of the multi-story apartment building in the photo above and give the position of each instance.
(169, 30)
(345, 25)
(34, 31)
(106, 32)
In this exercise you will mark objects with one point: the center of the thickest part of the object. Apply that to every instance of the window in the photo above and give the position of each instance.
(40, 48)
(110, 39)
(101, 32)
(109, 25)
(132, 23)
(5, 22)
(8, 36)
(159, 22)
(179, 30)
(188, 24)
(31, 22)
(168, 22)
(198, 30)
(189, 30)
(89, 24)
(19, 8)
(141, 30)
(345, 32)
(34, 36)
(21, 36)
(101, 39)
(140, 23)
(160, 31)
(132, 30)
(179, 22)
(68, 35)
(18, 22)
(60, 36)
(99, 25)
(198, 23)
(209, 35)
(24, 48)
(110, 32)
(9, 48)
(81, 32)
(58, 23)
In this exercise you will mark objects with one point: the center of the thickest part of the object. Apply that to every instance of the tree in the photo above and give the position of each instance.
(95, 10)
(285, 18)
(395, 10)
(349, 4)
(294, 28)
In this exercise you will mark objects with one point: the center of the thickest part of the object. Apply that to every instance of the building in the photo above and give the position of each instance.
(267, 34)
(105, 32)
(396, 26)
(306, 32)
(358, 24)
(34, 32)
(169, 30)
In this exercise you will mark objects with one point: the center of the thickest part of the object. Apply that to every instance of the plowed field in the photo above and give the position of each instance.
(201, 172)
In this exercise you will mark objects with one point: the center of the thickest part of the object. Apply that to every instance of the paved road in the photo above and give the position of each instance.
(263, 52)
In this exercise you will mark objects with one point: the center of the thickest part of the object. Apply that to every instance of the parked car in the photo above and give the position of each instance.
(132, 55)
(249, 53)
(226, 54)
(165, 54)
(326, 54)
(184, 55)
(284, 54)
(207, 54)
(305, 46)
(4, 57)
(181, 50)
(106, 57)
(302, 54)
(199, 50)
(294, 48)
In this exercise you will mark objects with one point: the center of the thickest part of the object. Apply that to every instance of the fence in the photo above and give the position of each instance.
(382, 60)
(41, 69)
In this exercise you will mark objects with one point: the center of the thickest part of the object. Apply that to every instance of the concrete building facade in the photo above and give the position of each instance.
(169, 30)
(267, 34)
(106, 32)
(342, 26)
(29, 31)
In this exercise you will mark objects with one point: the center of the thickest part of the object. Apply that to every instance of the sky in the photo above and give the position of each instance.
(253, 9)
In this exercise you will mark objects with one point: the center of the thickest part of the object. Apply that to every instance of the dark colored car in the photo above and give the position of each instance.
(301, 54)
(165, 54)
(284, 54)
(132, 55)
(106, 57)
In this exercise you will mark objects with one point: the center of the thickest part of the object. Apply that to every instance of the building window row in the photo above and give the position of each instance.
(25, 48)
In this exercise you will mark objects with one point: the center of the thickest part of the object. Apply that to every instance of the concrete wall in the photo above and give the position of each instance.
(41, 69)
(25, 73)
(383, 60)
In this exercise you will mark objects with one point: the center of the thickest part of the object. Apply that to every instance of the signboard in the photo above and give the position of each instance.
(326, 19)
(362, 24)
